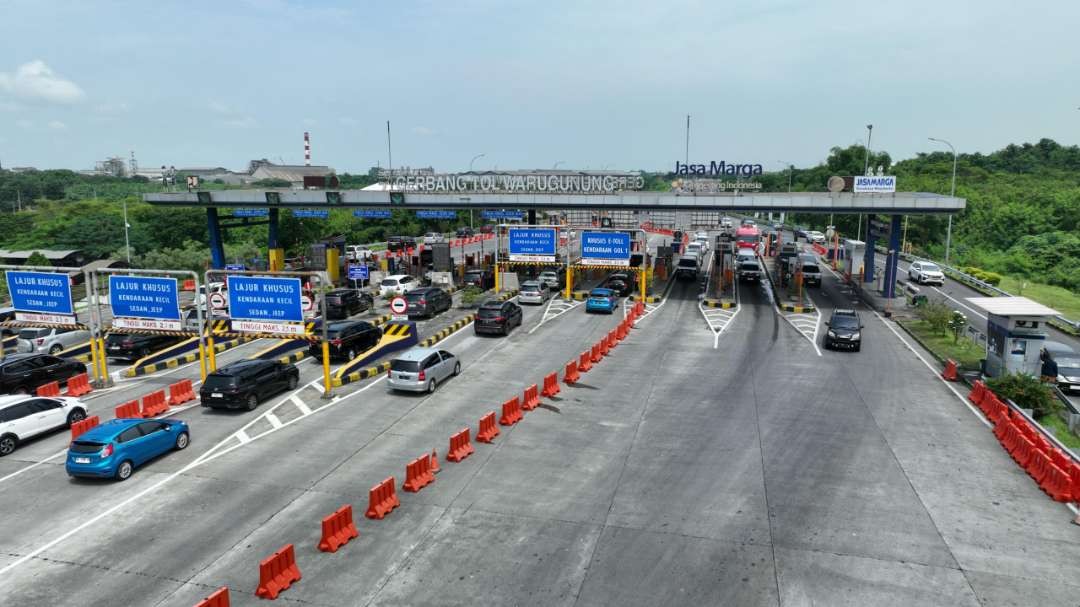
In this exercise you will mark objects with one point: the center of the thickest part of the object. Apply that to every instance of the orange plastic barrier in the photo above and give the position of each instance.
(605, 346)
(584, 362)
(596, 354)
(154, 404)
(950, 371)
(50, 389)
(511, 412)
(77, 385)
(571, 376)
(277, 572)
(338, 529)
(128, 410)
(488, 430)
(460, 446)
(382, 499)
(551, 385)
(181, 392)
(418, 474)
(80, 427)
(531, 398)
(219, 598)
(620, 331)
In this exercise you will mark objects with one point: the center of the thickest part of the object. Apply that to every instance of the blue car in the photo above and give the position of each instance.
(601, 300)
(115, 448)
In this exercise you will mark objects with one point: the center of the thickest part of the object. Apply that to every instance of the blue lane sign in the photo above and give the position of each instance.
(264, 299)
(311, 213)
(532, 244)
(605, 248)
(235, 267)
(250, 212)
(436, 214)
(46, 296)
(146, 298)
(372, 213)
(359, 272)
(501, 214)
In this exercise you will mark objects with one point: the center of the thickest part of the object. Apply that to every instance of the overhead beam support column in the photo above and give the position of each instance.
(274, 250)
(217, 247)
(893, 258)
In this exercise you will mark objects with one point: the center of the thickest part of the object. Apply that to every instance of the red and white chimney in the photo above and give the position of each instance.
(307, 149)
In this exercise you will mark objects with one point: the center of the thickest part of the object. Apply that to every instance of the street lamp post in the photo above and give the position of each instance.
(474, 159)
(952, 194)
(866, 168)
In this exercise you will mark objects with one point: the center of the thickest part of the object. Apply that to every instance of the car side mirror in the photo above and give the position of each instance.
(828, 324)
(862, 326)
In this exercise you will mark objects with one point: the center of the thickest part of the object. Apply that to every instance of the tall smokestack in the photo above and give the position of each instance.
(307, 149)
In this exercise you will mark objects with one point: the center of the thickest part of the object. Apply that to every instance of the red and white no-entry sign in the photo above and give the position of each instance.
(217, 301)
(398, 305)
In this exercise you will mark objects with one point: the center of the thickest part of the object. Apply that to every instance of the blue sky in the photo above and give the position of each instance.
(590, 84)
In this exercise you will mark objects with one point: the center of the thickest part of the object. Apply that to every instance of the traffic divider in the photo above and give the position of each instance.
(605, 346)
(418, 474)
(277, 573)
(620, 331)
(551, 385)
(80, 427)
(950, 374)
(219, 598)
(337, 529)
(595, 354)
(382, 499)
(448, 331)
(584, 362)
(77, 385)
(571, 376)
(460, 446)
(977, 390)
(185, 352)
(531, 399)
(511, 412)
(128, 410)
(434, 461)
(488, 429)
(181, 392)
(396, 336)
(50, 389)
(154, 404)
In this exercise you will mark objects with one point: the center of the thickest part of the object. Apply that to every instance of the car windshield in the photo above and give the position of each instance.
(415, 296)
(33, 333)
(530, 287)
(215, 381)
(492, 312)
(929, 267)
(471, 275)
(80, 446)
(409, 366)
(810, 269)
(1069, 367)
(845, 322)
(389, 282)
(600, 293)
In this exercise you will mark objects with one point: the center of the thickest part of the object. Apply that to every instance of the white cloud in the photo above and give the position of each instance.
(245, 122)
(219, 106)
(37, 81)
(423, 131)
(56, 125)
(26, 124)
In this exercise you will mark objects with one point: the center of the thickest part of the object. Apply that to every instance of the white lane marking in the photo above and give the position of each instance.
(242, 436)
(650, 308)
(273, 419)
(301, 405)
(560, 306)
(799, 321)
(720, 317)
(961, 304)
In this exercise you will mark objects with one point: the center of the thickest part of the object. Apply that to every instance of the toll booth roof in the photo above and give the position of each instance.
(1012, 306)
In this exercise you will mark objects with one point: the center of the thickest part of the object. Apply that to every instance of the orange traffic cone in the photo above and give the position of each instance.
(434, 462)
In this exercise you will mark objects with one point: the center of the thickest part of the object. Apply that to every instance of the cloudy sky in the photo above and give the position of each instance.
(529, 85)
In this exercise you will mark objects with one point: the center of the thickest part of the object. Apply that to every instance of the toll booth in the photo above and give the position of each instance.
(1015, 333)
(854, 253)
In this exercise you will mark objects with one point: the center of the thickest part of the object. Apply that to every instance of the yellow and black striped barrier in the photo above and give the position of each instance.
(716, 303)
(796, 309)
(362, 374)
(396, 336)
(294, 357)
(146, 369)
(648, 298)
(397, 329)
(448, 331)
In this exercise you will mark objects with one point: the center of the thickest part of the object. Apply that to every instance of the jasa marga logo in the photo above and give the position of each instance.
(716, 169)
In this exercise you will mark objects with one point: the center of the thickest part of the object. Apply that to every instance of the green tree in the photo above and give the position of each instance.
(37, 259)
(1026, 391)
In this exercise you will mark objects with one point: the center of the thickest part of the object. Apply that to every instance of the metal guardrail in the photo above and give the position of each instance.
(1073, 326)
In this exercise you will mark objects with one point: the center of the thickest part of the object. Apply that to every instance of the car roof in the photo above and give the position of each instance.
(344, 324)
(395, 277)
(108, 430)
(422, 291)
(14, 399)
(845, 312)
(530, 283)
(601, 291)
(1056, 347)
(240, 365)
(340, 292)
(492, 303)
(416, 354)
(10, 358)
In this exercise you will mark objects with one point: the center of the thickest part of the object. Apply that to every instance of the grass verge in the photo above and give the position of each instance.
(1057, 425)
(1058, 298)
(965, 352)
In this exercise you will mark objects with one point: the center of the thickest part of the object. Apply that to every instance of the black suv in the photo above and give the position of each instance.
(479, 277)
(464, 232)
(620, 283)
(348, 339)
(844, 330)
(343, 303)
(427, 301)
(400, 243)
(136, 346)
(23, 373)
(497, 317)
(245, 383)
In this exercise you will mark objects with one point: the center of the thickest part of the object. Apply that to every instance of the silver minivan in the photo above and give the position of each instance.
(422, 370)
(533, 292)
(50, 339)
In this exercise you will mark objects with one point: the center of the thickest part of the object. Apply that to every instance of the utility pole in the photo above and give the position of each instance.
(127, 241)
(952, 194)
(687, 159)
(866, 167)
(389, 152)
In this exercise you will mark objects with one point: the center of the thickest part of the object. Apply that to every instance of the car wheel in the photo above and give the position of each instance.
(252, 402)
(457, 369)
(431, 386)
(124, 470)
(182, 441)
(293, 381)
(351, 353)
(7, 444)
(76, 415)
(55, 349)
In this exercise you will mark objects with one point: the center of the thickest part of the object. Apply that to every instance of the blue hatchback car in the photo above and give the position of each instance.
(601, 300)
(115, 448)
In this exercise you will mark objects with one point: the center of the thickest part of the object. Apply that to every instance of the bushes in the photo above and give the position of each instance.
(937, 315)
(992, 278)
(1027, 391)
(471, 295)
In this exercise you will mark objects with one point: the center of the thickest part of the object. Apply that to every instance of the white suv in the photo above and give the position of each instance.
(926, 273)
(398, 284)
(25, 416)
(50, 339)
